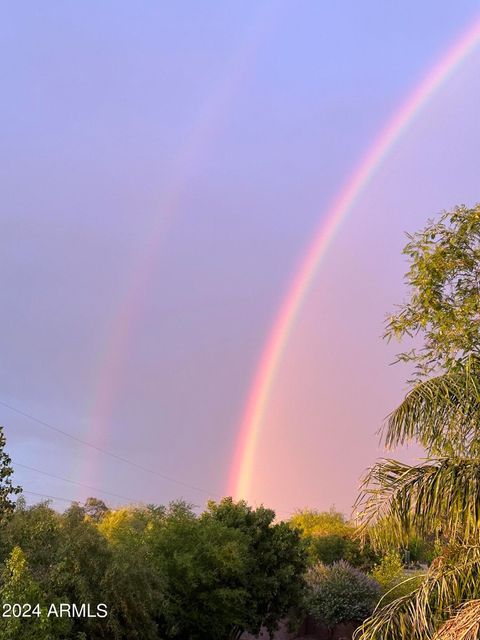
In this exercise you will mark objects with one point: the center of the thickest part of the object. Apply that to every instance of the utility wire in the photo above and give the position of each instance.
(114, 456)
(80, 484)
(44, 495)
(109, 454)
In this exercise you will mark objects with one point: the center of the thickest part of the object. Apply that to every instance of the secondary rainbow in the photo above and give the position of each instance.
(257, 402)
(206, 126)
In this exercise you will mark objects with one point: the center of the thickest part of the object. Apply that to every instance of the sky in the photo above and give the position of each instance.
(163, 168)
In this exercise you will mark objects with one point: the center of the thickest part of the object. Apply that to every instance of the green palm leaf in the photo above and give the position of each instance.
(441, 496)
(450, 581)
(442, 413)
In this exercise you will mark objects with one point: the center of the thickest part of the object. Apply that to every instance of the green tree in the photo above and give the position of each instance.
(7, 488)
(443, 307)
(80, 561)
(19, 588)
(330, 538)
(274, 564)
(202, 565)
(95, 509)
(38, 529)
(132, 586)
(440, 496)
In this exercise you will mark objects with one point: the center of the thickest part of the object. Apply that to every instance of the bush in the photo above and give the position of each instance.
(389, 571)
(393, 579)
(407, 582)
(340, 593)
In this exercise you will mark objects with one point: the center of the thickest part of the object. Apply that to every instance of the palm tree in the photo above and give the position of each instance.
(439, 497)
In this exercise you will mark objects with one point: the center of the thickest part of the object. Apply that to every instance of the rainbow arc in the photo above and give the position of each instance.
(250, 428)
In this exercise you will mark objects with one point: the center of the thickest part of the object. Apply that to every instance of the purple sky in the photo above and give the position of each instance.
(210, 137)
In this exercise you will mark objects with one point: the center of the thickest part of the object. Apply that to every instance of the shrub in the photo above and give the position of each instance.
(389, 571)
(393, 579)
(340, 593)
(407, 582)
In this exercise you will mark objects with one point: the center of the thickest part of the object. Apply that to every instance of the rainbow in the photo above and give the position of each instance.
(108, 374)
(250, 428)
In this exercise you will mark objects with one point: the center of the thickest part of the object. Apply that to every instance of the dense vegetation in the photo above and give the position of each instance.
(161, 572)
(439, 498)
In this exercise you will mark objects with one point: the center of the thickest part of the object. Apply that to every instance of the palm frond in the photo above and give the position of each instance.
(464, 625)
(438, 496)
(450, 581)
(442, 413)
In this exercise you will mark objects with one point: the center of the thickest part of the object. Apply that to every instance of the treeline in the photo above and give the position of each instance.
(162, 572)
(165, 573)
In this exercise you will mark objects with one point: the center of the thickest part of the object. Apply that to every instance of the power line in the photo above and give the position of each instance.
(105, 452)
(45, 495)
(80, 484)
(109, 454)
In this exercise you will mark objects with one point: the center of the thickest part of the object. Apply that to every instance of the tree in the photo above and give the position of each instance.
(80, 562)
(95, 509)
(7, 488)
(132, 586)
(20, 589)
(37, 529)
(440, 496)
(202, 566)
(274, 565)
(330, 538)
(443, 308)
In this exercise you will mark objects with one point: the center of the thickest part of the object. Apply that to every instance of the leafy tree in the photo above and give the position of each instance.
(201, 563)
(19, 588)
(131, 585)
(321, 523)
(340, 593)
(7, 488)
(440, 496)
(443, 308)
(95, 509)
(38, 529)
(389, 571)
(330, 538)
(394, 580)
(80, 562)
(274, 564)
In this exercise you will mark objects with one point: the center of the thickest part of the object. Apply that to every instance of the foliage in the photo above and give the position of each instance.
(451, 580)
(131, 585)
(388, 572)
(202, 564)
(321, 523)
(340, 593)
(274, 565)
(441, 413)
(444, 282)
(162, 572)
(441, 496)
(465, 625)
(393, 579)
(7, 488)
(95, 509)
(19, 587)
(330, 538)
